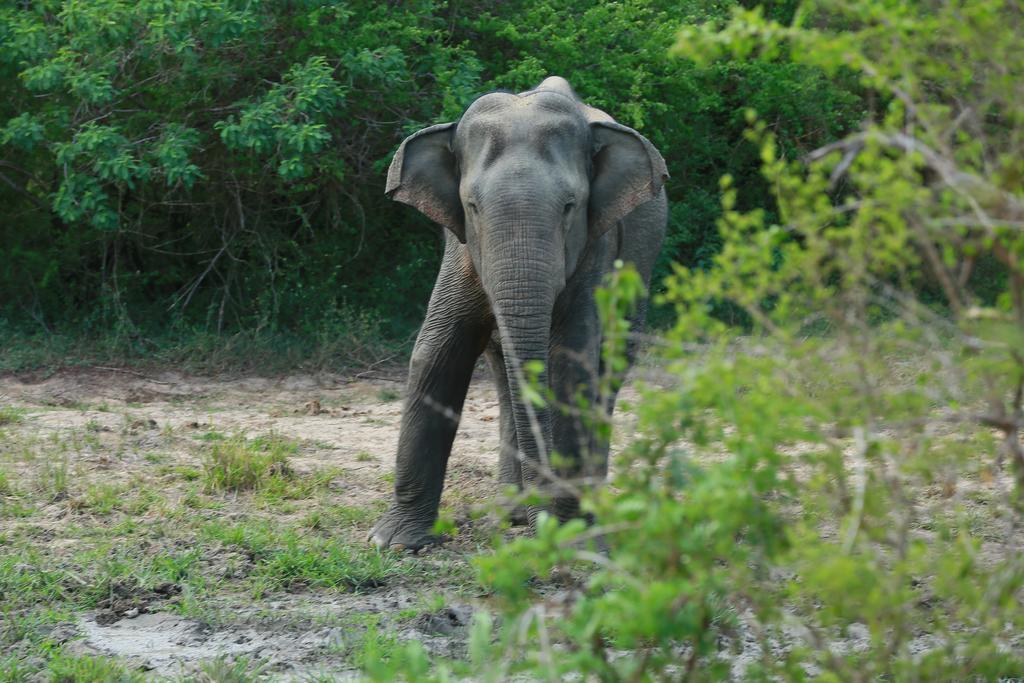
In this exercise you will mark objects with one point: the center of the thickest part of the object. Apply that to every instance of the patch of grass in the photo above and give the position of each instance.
(255, 539)
(294, 487)
(6, 487)
(212, 436)
(15, 508)
(26, 638)
(84, 669)
(10, 415)
(238, 464)
(174, 567)
(102, 499)
(110, 568)
(126, 527)
(288, 558)
(315, 520)
(53, 478)
(323, 563)
(14, 668)
(195, 603)
(341, 340)
(387, 394)
(226, 670)
(28, 580)
(183, 471)
(142, 500)
(275, 441)
(424, 605)
(31, 627)
(195, 500)
(365, 456)
(375, 647)
(335, 517)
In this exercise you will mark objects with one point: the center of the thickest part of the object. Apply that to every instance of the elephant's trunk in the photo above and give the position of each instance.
(524, 334)
(523, 273)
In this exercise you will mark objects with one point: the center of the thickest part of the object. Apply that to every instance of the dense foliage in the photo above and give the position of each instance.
(175, 168)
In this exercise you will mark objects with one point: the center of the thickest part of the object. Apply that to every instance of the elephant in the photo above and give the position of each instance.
(540, 195)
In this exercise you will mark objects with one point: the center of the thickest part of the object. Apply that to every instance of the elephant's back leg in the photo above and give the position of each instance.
(640, 237)
(641, 234)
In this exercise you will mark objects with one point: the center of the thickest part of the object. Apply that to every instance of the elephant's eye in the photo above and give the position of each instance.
(472, 207)
(568, 208)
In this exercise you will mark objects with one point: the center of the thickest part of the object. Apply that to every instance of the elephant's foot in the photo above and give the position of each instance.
(517, 516)
(566, 508)
(401, 530)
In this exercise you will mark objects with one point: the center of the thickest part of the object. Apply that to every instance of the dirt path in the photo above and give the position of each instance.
(106, 496)
(349, 424)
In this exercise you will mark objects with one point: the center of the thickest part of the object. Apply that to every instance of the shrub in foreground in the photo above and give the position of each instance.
(832, 489)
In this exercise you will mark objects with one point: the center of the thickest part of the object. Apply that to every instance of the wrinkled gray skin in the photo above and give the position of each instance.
(540, 194)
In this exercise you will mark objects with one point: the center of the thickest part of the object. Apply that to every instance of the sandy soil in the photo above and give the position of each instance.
(134, 429)
(344, 423)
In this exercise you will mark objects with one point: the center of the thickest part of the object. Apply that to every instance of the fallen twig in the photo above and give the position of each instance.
(130, 372)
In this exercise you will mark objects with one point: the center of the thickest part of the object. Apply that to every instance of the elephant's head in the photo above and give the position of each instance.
(526, 182)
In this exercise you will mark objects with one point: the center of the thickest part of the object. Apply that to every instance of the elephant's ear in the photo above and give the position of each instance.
(627, 172)
(424, 174)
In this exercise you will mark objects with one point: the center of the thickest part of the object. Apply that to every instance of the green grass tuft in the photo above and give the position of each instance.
(324, 563)
(84, 669)
(238, 464)
(387, 394)
(6, 487)
(102, 499)
(225, 670)
(53, 478)
(10, 415)
(287, 558)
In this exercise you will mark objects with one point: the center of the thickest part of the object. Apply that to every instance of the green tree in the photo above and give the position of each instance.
(192, 166)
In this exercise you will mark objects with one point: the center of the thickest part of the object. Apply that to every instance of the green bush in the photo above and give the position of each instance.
(189, 172)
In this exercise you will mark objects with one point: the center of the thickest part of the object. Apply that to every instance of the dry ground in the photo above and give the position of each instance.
(116, 542)
(126, 552)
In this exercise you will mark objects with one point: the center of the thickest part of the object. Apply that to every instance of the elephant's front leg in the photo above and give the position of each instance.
(451, 339)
